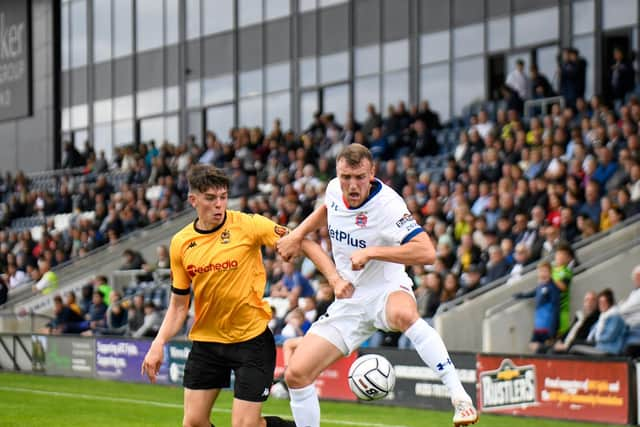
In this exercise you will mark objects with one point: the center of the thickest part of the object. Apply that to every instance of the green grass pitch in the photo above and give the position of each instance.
(32, 400)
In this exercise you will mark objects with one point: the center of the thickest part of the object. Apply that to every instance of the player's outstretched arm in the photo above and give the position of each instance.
(290, 245)
(341, 288)
(417, 251)
(171, 324)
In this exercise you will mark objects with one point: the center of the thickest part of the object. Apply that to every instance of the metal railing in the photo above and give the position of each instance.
(542, 103)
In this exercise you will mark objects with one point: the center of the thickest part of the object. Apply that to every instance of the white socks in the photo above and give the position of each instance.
(305, 406)
(433, 352)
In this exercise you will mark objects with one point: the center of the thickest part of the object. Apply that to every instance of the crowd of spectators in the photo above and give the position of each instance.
(511, 191)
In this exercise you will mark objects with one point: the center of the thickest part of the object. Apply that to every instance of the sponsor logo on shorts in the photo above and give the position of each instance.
(217, 267)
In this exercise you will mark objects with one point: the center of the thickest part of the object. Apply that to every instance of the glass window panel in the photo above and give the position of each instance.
(80, 138)
(546, 59)
(619, 13)
(249, 12)
(79, 116)
(434, 87)
(192, 11)
(277, 9)
(396, 55)
(123, 133)
(171, 19)
(193, 93)
(194, 126)
(278, 77)
(171, 98)
(149, 24)
(308, 106)
(325, 3)
(103, 140)
(64, 35)
(395, 88)
(101, 30)
(583, 17)
(526, 27)
(123, 107)
(468, 83)
(152, 129)
(102, 111)
(250, 83)
(220, 120)
(367, 60)
(150, 102)
(586, 46)
(499, 34)
(308, 72)
(278, 106)
(334, 67)
(468, 40)
(78, 33)
(305, 5)
(122, 31)
(336, 101)
(172, 129)
(366, 90)
(250, 112)
(217, 15)
(218, 89)
(66, 119)
(434, 47)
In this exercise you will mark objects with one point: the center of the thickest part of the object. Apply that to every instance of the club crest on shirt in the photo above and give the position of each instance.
(225, 237)
(280, 230)
(361, 219)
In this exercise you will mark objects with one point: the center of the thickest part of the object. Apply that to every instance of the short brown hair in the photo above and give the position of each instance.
(545, 264)
(353, 154)
(204, 177)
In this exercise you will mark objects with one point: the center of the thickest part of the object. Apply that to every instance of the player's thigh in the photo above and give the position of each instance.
(400, 311)
(197, 407)
(312, 355)
(254, 362)
(207, 367)
(245, 413)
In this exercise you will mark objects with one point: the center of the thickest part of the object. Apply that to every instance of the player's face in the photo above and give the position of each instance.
(210, 206)
(355, 182)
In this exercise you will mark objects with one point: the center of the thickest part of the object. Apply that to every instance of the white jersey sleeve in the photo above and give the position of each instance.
(400, 225)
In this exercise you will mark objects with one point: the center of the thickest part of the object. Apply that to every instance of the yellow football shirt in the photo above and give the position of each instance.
(224, 268)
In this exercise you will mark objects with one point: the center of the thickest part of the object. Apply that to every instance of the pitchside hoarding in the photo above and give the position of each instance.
(419, 386)
(571, 389)
(15, 59)
(63, 355)
(121, 359)
(332, 383)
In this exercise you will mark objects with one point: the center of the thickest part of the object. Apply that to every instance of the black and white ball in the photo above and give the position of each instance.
(371, 377)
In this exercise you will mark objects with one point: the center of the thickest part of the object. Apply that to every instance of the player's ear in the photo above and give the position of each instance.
(192, 199)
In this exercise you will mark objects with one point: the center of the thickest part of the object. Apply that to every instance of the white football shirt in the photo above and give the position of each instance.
(382, 220)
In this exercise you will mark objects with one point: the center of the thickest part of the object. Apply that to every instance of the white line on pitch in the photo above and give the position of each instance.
(167, 405)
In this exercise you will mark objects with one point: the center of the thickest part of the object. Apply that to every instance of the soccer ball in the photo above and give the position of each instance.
(371, 377)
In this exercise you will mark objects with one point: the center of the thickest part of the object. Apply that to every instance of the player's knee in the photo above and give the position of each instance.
(246, 421)
(402, 319)
(296, 378)
(192, 421)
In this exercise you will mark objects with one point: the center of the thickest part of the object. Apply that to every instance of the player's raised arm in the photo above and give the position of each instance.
(417, 251)
(290, 245)
(315, 253)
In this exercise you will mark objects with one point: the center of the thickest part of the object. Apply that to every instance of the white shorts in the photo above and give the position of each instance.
(349, 322)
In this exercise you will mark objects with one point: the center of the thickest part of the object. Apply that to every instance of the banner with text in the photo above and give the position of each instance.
(419, 386)
(58, 355)
(332, 383)
(15, 59)
(572, 389)
(121, 359)
(177, 353)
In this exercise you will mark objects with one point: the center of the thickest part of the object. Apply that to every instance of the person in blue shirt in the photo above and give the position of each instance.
(292, 286)
(547, 297)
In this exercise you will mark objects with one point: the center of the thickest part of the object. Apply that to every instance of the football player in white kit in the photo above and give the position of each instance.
(373, 236)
